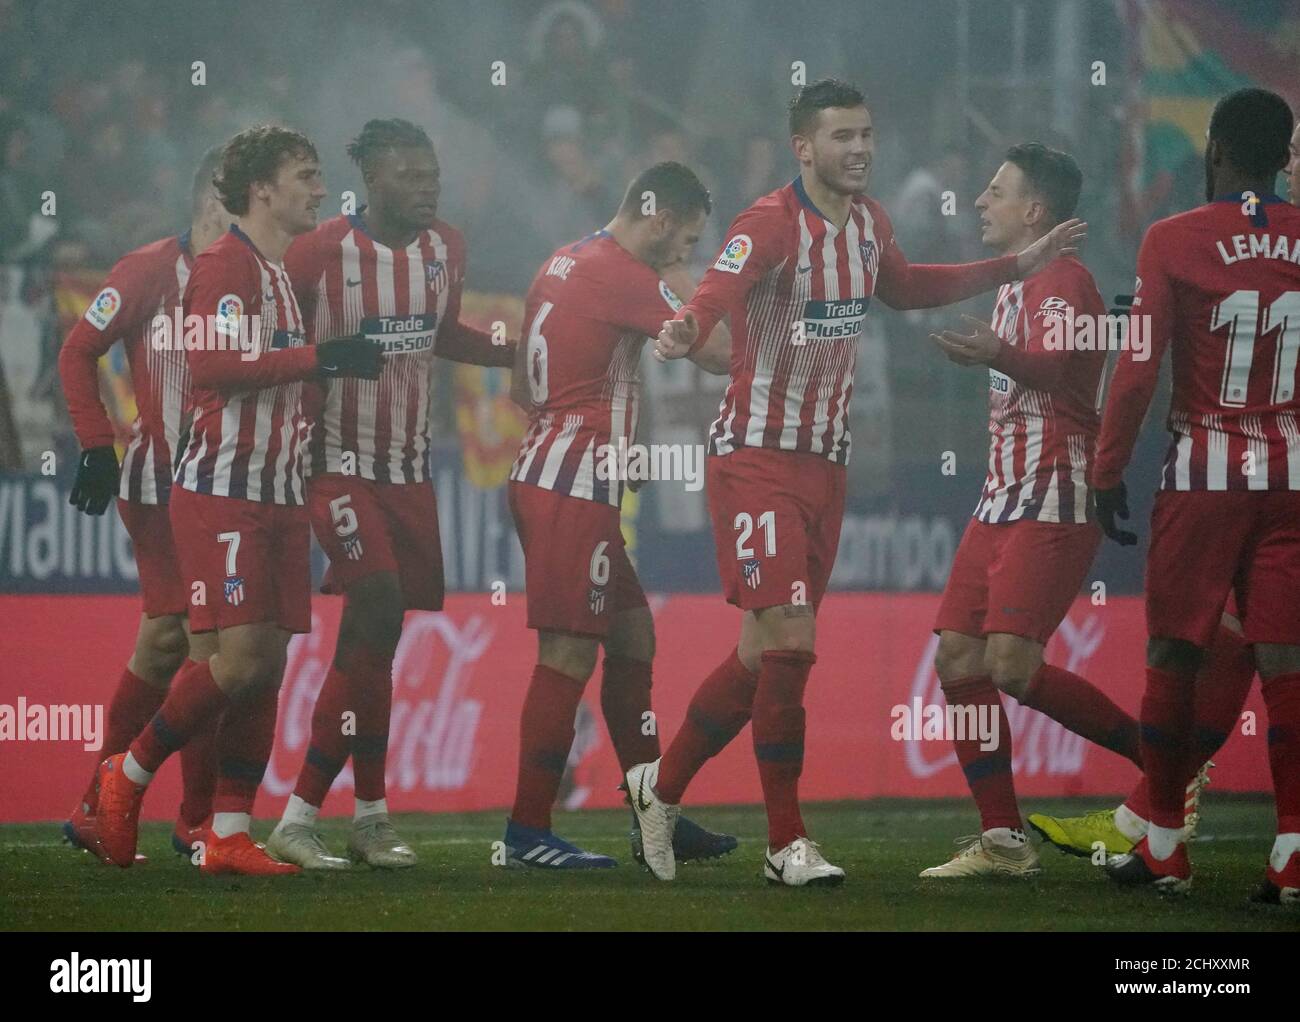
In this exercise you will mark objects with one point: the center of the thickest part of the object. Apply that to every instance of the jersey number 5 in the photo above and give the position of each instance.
(1240, 313)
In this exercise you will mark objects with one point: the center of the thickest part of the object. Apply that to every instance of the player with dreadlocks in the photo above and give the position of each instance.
(392, 272)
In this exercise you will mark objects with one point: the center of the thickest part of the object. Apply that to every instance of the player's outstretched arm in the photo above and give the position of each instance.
(459, 342)
(1038, 369)
(904, 285)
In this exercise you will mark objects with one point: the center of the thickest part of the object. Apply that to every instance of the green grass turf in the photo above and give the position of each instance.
(881, 845)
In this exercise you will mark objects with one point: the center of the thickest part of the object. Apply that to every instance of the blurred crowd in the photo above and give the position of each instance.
(540, 112)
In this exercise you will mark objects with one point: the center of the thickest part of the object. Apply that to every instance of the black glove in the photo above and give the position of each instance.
(1112, 503)
(1123, 305)
(96, 483)
(350, 356)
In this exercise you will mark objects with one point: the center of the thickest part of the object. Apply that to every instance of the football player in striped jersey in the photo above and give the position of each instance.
(238, 509)
(145, 284)
(392, 272)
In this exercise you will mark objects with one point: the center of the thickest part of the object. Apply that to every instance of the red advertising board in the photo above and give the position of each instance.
(460, 678)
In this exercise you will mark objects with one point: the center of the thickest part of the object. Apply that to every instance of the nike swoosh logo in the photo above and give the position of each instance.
(352, 283)
(772, 866)
(640, 800)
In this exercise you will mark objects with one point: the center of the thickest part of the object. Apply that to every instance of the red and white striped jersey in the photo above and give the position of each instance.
(143, 284)
(796, 288)
(1221, 284)
(406, 299)
(248, 434)
(588, 313)
(1044, 396)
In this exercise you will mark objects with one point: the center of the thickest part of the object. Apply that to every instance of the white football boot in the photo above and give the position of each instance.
(375, 842)
(981, 857)
(657, 818)
(800, 864)
(300, 844)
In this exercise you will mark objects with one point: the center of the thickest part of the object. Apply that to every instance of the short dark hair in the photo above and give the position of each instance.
(379, 136)
(674, 186)
(821, 95)
(203, 176)
(256, 154)
(1254, 128)
(1052, 174)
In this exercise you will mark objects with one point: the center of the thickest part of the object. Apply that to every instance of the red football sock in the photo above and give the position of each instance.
(720, 708)
(545, 737)
(193, 700)
(135, 701)
(778, 739)
(371, 673)
(1166, 734)
(244, 740)
(1222, 686)
(988, 772)
(1077, 704)
(1282, 697)
(328, 748)
(199, 774)
(625, 700)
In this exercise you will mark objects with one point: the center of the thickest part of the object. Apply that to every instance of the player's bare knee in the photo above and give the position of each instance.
(632, 635)
(372, 615)
(791, 627)
(168, 644)
(1177, 656)
(958, 656)
(571, 655)
(1273, 659)
(1010, 661)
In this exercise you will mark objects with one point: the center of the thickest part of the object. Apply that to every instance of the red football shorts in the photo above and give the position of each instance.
(161, 586)
(1207, 544)
(252, 558)
(776, 524)
(366, 527)
(576, 570)
(1016, 577)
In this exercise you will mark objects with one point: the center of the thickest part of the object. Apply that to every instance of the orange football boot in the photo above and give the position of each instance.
(238, 854)
(117, 816)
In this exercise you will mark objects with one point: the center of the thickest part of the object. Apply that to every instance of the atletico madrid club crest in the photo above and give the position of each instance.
(436, 274)
(235, 590)
(596, 599)
(751, 571)
(869, 256)
(352, 547)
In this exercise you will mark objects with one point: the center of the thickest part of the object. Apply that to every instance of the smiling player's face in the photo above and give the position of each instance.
(842, 147)
(296, 195)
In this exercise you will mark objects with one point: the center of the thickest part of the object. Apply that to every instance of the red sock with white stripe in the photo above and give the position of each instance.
(545, 738)
(244, 742)
(1166, 732)
(193, 701)
(988, 771)
(328, 747)
(371, 674)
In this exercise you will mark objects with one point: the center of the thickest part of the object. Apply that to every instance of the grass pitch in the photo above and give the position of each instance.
(881, 845)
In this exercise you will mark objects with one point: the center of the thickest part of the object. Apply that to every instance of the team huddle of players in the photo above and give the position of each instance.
(317, 420)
